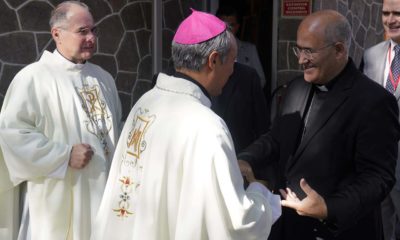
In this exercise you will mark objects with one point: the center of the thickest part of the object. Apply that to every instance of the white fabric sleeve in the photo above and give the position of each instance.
(60, 171)
(274, 200)
(27, 151)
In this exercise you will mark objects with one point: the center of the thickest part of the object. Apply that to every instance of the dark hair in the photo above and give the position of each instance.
(229, 10)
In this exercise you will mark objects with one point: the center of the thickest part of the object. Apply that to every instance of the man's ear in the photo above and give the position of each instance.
(55, 33)
(340, 49)
(212, 59)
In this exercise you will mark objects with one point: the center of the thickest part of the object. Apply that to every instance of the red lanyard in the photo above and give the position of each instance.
(395, 83)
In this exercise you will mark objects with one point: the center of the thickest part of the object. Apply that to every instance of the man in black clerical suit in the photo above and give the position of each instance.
(335, 141)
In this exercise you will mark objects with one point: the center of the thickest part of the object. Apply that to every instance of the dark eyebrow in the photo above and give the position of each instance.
(393, 12)
(87, 27)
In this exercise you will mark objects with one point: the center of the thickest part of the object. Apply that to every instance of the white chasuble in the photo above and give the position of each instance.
(51, 105)
(175, 175)
(9, 205)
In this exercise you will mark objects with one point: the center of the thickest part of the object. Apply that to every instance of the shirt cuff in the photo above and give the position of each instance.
(273, 199)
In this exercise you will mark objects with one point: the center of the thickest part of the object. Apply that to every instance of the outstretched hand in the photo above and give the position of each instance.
(313, 205)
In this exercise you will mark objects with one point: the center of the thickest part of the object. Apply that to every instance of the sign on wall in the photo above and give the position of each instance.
(296, 8)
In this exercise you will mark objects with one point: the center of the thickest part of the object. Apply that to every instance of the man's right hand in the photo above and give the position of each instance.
(246, 171)
(80, 155)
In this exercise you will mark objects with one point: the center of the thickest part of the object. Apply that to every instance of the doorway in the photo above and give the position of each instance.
(257, 28)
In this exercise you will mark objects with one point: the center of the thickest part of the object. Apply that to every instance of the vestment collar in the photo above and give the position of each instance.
(57, 58)
(179, 85)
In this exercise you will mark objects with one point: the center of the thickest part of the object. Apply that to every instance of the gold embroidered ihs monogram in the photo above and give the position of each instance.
(136, 135)
(131, 166)
(99, 122)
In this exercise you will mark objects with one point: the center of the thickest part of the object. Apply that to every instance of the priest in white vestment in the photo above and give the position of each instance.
(175, 173)
(59, 125)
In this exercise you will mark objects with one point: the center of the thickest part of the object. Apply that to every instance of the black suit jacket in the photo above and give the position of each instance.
(348, 156)
(243, 106)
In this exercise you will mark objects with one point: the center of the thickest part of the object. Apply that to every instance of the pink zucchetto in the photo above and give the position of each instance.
(198, 27)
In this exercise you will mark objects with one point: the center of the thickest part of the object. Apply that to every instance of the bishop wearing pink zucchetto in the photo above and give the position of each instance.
(174, 174)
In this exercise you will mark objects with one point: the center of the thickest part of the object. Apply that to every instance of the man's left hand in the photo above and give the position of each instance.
(313, 205)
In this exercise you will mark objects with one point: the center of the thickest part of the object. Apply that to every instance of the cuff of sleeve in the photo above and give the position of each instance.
(60, 171)
(273, 199)
(334, 213)
(246, 157)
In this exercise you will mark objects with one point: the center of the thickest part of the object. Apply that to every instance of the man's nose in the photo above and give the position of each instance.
(302, 57)
(391, 18)
(91, 36)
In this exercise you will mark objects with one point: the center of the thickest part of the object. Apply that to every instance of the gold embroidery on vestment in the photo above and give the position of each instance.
(131, 167)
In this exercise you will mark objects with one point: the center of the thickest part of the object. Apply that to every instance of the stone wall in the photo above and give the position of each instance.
(124, 42)
(364, 17)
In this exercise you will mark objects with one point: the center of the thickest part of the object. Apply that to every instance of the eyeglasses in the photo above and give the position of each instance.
(308, 52)
(84, 31)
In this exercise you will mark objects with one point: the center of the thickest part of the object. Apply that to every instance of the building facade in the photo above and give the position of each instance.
(126, 37)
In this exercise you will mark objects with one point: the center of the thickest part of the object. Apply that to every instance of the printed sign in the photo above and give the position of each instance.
(296, 8)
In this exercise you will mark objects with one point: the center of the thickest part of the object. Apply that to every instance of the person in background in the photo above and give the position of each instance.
(175, 174)
(247, 52)
(243, 107)
(335, 140)
(381, 63)
(59, 125)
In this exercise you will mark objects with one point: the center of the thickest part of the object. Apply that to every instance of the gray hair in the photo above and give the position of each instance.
(339, 31)
(59, 15)
(194, 56)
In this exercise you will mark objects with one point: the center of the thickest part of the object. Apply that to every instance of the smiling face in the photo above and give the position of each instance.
(76, 39)
(328, 57)
(317, 69)
(391, 19)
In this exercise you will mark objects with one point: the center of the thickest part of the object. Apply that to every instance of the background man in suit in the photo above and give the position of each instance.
(243, 107)
(376, 64)
(247, 52)
(335, 148)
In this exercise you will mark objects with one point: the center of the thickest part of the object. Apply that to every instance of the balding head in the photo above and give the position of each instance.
(330, 25)
(61, 13)
(74, 31)
(323, 40)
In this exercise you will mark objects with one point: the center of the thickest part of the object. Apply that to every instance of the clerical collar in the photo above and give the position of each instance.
(58, 53)
(327, 87)
(322, 88)
(186, 77)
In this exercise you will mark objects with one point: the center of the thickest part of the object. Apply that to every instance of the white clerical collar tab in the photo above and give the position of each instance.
(322, 88)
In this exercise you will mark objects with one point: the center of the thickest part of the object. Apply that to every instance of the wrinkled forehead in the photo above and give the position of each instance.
(313, 29)
(391, 6)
